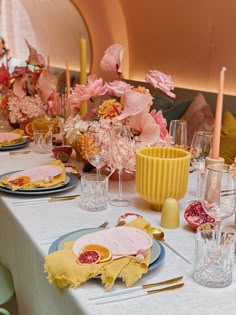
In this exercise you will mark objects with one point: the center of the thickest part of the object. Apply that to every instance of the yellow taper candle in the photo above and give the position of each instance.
(83, 71)
(218, 118)
(67, 79)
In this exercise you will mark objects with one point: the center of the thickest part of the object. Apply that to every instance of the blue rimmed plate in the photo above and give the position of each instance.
(72, 182)
(158, 251)
(23, 142)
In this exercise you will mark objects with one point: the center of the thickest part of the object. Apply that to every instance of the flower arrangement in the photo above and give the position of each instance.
(27, 90)
(120, 103)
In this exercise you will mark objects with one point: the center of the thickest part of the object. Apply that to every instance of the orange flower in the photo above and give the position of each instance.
(86, 145)
(109, 109)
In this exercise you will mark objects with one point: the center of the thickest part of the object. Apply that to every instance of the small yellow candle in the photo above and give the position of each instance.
(218, 118)
(67, 79)
(83, 71)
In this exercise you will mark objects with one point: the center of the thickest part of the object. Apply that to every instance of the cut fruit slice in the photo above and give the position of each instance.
(89, 257)
(104, 251)
(29, 130)
(20, 180)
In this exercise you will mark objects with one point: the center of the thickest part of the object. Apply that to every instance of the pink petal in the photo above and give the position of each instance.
(46, 85)
(112, 58)
(145, 124)
(33, 56)
(134, 103)
(19, 87)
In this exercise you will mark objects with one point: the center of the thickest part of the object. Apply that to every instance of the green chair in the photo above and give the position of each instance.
(6, 288)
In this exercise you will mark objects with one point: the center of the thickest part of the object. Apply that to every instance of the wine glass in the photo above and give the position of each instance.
(120, 154)
(95, 149)
(178, 133)
(218, 194)
(200, 148)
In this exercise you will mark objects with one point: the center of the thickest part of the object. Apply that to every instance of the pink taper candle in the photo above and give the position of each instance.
(67, 79)
(218, 118)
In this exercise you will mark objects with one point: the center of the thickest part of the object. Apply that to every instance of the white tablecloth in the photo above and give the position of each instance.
(26, 233)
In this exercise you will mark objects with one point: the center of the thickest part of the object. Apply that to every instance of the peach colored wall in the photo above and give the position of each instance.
(106, 24)
(191, 40)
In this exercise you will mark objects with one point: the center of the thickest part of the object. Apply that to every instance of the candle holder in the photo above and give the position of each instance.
(210, 161)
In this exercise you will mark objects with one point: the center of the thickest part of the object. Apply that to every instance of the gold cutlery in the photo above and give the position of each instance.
(138, 294)
(62, 198)
(158, 234)
(103, 225)
(44, 200)
(19, 152)
(137, 288)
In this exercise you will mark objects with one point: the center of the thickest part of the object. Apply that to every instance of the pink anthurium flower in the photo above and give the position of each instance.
(46, 85)
(19, 88)
(146, 125)
(134, 103)
(161, 81)
(112, 59)
(34, 58)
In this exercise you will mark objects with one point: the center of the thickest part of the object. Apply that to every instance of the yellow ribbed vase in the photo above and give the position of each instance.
(162, 173)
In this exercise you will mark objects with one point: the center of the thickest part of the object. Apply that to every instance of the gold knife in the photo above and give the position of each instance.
(169, 288)
(19, 152)
(137, 294)
(43, 200)
(136, 288)
(62, 198)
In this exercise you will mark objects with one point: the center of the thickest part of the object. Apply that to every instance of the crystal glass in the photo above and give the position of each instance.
(94, 190)
(120, 147)
(95, 148)
(200, 148)
(218, 192)
(178, 133)
(214, 258)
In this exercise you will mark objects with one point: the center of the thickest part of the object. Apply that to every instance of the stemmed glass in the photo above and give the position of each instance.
(95, 148)
(120, 155)
(200, 148)
(218, 194)
(178, 133)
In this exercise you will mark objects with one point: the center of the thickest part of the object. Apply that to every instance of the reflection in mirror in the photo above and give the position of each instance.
(53, 27)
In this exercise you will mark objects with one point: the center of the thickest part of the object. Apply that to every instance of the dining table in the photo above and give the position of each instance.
(27, 232)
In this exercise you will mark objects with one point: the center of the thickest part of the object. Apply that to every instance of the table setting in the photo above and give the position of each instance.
(94, 245)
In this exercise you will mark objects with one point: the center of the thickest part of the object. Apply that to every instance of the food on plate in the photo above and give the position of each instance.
(49, 175)
(103, 251)
(89, 257)
(20, 180)
(7, 138)
(64, 270)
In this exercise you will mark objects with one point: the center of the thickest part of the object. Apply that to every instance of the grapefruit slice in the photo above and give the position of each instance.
(102, 250)
(89, 257)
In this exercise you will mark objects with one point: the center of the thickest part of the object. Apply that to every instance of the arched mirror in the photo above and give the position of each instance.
(53, 27)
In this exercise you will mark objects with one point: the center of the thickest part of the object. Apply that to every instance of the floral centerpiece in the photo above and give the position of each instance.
(121, 103)
(26, 92)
